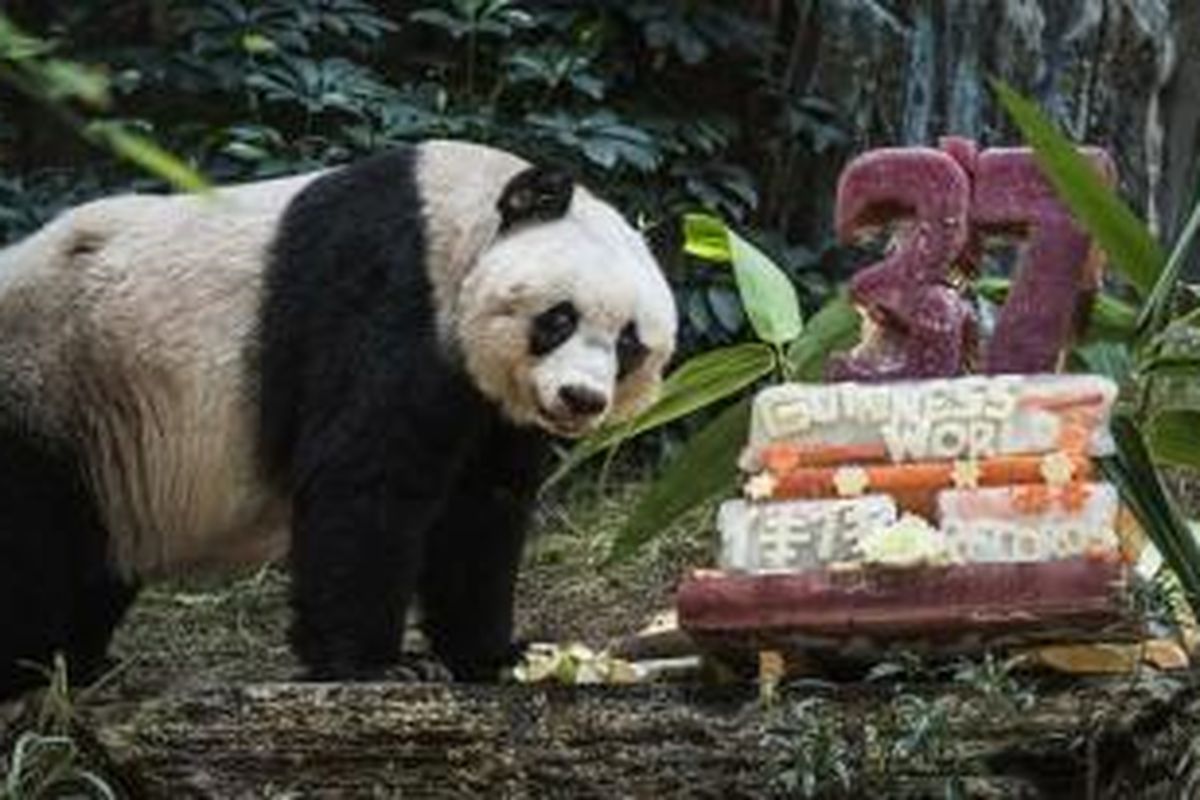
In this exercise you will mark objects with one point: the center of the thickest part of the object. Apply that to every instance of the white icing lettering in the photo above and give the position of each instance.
(949, 440)
(906, 440)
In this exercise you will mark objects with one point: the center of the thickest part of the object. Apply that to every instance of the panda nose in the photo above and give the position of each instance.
(582, 401)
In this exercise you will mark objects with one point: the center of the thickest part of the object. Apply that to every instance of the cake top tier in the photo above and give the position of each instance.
(971, 417)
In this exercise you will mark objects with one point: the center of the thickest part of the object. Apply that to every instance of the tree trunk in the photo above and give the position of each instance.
(1123, 74)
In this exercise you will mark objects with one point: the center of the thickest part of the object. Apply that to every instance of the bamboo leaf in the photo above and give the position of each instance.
(832, 329)
(1111, 224)
(701, 381)
(1110, 359)
(707, 379)
(704, 236)
(1154, 312)
(767, 293)
(1134, 474)
(147, 155)
(1171, 366)
(1174, 438)
(704, 469)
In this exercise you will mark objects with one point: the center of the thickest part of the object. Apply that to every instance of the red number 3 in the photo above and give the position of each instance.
(942, 205)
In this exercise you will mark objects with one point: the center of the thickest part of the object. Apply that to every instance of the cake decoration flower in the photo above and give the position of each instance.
(761, 486)
(851, 481)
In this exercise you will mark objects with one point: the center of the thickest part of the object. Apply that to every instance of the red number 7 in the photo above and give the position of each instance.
(1058, 272)
(942, 203)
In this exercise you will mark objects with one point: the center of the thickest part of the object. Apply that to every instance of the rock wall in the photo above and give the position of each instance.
(1124, 74)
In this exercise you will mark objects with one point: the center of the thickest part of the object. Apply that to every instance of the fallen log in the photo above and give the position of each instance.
(1097, 737)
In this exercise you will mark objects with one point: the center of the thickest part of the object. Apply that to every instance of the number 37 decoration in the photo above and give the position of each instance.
(945, 207)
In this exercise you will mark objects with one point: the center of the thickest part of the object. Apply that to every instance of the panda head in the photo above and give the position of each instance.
(565, 319)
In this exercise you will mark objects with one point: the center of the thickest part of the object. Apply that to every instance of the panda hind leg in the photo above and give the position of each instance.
(58, 593)
(473, 554)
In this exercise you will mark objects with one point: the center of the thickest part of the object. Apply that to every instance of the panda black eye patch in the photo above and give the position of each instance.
(552, 327)
(631, 352)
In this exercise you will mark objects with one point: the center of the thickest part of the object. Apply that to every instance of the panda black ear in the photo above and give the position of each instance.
(535, 194)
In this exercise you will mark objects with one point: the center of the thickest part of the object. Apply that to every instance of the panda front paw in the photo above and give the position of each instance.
(418, 668)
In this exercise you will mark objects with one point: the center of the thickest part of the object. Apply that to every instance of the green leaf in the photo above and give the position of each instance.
(1110, 359)
(767, 293)
(704, 380)
(1171, 366)
(1174, 438)
(705, 237)
(994, 290)
(832, 329)
(705, 468)
(1135, 476)
(726, 308)
(147, 155)
(701, 381)
(67, 80)
(257, 44)
(440, 19)
(1154, 312)
(16, 45)
(1118, 230)
(1111, 320)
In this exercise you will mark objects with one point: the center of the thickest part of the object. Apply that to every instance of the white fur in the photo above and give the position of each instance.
(488, 288)
(128, 323)
(593, 259)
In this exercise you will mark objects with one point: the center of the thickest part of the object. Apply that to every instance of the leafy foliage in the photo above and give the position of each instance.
(667, 107)
(48, 766)
(46, 759)
(250, 88)
(768, 297)
(28, 65)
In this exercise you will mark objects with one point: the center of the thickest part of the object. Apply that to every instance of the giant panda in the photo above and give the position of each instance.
(361, 366)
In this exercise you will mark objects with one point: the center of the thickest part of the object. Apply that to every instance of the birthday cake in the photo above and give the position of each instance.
(909, 501)
(951, 511)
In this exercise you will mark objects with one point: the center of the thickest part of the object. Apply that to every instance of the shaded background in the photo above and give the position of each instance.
(747, 109)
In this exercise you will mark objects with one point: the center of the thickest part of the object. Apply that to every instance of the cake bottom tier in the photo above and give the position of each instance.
(954, 608)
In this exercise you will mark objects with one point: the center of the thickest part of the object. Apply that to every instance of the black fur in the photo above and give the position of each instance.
(57, 592)
(536, 194)
(404, 479)
(552, 327)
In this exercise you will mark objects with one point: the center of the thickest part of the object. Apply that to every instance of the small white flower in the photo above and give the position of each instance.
(761, 486)
(851, 481)
(1057, 468)
(966, 474)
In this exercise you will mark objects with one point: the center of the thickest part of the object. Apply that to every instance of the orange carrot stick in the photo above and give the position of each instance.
(785, 456)
(915, 485)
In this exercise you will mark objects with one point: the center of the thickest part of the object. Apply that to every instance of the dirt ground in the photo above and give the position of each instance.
(232, 629)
